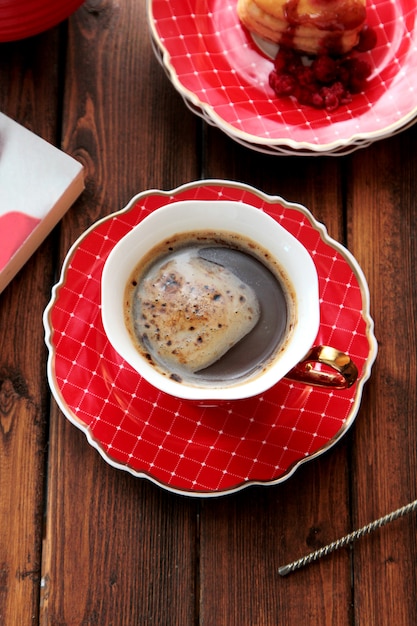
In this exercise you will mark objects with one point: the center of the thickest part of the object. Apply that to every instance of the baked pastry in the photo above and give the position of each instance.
(310, 26)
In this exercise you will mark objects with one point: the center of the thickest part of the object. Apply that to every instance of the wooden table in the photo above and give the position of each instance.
(84, 543)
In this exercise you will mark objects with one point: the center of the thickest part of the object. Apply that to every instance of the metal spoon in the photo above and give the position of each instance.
(343, 541)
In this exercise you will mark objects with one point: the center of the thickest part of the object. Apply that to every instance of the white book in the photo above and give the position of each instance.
(38, 184)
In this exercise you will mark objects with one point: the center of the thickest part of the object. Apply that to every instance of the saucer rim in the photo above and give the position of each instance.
(271, 200)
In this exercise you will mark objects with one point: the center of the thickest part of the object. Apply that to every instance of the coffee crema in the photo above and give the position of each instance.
(209, 309)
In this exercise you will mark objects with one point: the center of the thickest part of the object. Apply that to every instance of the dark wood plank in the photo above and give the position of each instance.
(252, 534)
(382, 230)
(29, 94)
(118, 549)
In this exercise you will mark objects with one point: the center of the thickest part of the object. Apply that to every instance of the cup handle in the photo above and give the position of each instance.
(344, 372)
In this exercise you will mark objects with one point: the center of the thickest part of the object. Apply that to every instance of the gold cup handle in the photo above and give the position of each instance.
(341, 371)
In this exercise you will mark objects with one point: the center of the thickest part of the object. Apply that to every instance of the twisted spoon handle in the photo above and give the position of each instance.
(343, 541)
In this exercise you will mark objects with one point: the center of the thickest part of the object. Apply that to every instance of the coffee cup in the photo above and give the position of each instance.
(214, 301)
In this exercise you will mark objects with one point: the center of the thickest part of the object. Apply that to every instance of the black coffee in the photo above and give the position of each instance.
(262, 341)
(206, 309)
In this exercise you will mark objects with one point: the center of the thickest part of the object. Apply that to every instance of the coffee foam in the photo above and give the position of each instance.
(247, 336)
(190, 311)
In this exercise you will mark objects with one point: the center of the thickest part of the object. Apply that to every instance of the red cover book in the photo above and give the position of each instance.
(38, 184)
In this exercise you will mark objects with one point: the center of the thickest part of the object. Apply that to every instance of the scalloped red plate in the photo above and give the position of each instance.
(176, 444)
(213, 62)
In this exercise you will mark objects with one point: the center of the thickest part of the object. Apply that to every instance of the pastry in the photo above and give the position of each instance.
(309, 26)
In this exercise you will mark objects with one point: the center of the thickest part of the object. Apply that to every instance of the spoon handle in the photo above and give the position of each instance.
(343, 541)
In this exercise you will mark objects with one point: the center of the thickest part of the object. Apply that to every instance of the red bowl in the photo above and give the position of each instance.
(24, 18)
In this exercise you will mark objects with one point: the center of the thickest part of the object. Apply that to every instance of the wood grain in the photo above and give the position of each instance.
(259, 534)
(383, 219)
(83, 543)
(117, 550)
(31, 71)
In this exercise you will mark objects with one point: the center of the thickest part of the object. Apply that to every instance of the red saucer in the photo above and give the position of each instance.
(176, 444)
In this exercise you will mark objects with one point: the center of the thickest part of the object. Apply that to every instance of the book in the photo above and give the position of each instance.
(38, 184)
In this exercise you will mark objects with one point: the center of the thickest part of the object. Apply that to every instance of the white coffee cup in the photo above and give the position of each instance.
(296, 354)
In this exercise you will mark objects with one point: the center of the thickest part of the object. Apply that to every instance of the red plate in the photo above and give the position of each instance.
(181, 447)
(223, 76)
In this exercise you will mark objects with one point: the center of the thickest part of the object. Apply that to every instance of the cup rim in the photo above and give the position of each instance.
(226, 215)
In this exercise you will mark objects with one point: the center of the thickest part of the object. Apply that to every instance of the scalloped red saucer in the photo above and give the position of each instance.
(180, 446)
(222, 75)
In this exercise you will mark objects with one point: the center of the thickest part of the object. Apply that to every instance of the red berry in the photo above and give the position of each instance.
(280, 62)
(331, 102)
(344, 74)
(282, 84)
(317, 100)
(334, 96)
(356, 85)
(327, 83)
(304, 96)
(287, 60)
(358, 69)
(339, 89)
(325, 69)
(367, 39)
(305, 75)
